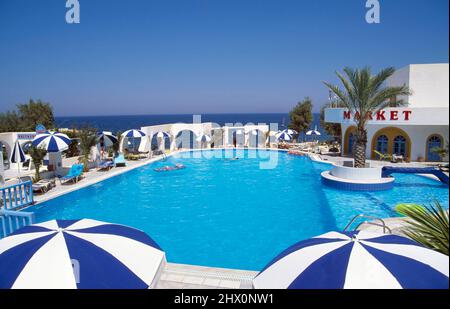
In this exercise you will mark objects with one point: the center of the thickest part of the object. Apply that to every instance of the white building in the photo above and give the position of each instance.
(413, 130)
(184, 135)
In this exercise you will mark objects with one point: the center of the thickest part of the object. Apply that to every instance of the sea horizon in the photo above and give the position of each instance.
(120, 123)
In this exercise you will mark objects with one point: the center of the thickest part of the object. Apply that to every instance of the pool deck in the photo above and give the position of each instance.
(182, 276)
(90, 178)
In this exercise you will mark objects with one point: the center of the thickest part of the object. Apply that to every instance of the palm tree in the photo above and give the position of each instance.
(37, 155)
(428, 226)
(364, 95)
(88, 139)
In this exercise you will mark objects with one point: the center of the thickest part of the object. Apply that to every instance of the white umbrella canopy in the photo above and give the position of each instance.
(289, 131)
(17, 156)
(52, 141)
(283, 136)
(84, 254)
(358, 259)
(108, 138)
(313, 132)
(162, 134)
(133, 133)
(203, 138)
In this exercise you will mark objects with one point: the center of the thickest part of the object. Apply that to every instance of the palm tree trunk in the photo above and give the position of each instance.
(359, 149)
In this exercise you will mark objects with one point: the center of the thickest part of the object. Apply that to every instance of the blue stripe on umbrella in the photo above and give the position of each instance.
(19, 257)
(52, 145)
(284, 136)
(412, 267)
(123, 231)
(38, 139)
(317, 275)
(98, 267)
(108, 136)
(50, 141)
(300, 245)
(31, 229)
(113, 274)
(165, 134)
(134, 133)
(17, 154)
(405, 270)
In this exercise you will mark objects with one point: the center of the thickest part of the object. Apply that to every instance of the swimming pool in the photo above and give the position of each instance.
(231, 213)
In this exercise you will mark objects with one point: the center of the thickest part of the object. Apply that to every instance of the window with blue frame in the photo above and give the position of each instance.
(399, 146)
(382, 144)
(434, 142)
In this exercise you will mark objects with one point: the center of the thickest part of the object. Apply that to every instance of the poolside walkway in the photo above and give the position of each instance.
(182, 276)
(91, 177)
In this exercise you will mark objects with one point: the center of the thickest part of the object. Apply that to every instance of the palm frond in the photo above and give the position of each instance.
(428, 226)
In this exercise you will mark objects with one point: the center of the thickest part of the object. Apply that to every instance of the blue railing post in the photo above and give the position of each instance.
(10, 221)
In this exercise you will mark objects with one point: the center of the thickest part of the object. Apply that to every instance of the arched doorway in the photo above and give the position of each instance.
(185, 139)
(156, 142)
(256, 138)
(391, 140)
(433, 141)
(349, 140)
(238, 138)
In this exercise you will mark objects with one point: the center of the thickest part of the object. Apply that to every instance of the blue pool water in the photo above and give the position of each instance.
(232, 214)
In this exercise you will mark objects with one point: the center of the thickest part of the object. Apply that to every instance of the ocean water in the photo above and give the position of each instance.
(231, 213)
(122, 123)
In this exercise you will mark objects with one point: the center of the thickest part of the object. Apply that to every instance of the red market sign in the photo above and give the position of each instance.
(392, 115)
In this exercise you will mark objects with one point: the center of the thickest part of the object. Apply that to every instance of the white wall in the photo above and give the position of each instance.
(428, 82)
(400, 78)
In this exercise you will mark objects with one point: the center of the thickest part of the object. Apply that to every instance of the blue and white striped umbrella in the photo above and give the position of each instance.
(203, 138)
(356, 260)
(283, 136)
(17, 154)
(162, 134)
(133, 133)
(313, 132)
(52, 141)
(108, 137)
(289, 131)
(79, 254)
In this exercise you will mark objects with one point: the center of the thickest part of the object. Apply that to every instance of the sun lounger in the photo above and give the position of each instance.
(40, 187)
(119, 161)
(105, 165)
(74, 174)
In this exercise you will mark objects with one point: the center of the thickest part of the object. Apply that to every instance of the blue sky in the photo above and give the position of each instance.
(203, 56)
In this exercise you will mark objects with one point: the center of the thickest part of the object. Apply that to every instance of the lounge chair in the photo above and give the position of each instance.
(40, 187)
(119, 161)
(73, 175)
(105, 165)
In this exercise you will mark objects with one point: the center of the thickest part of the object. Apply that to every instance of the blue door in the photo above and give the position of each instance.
(434, 142)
